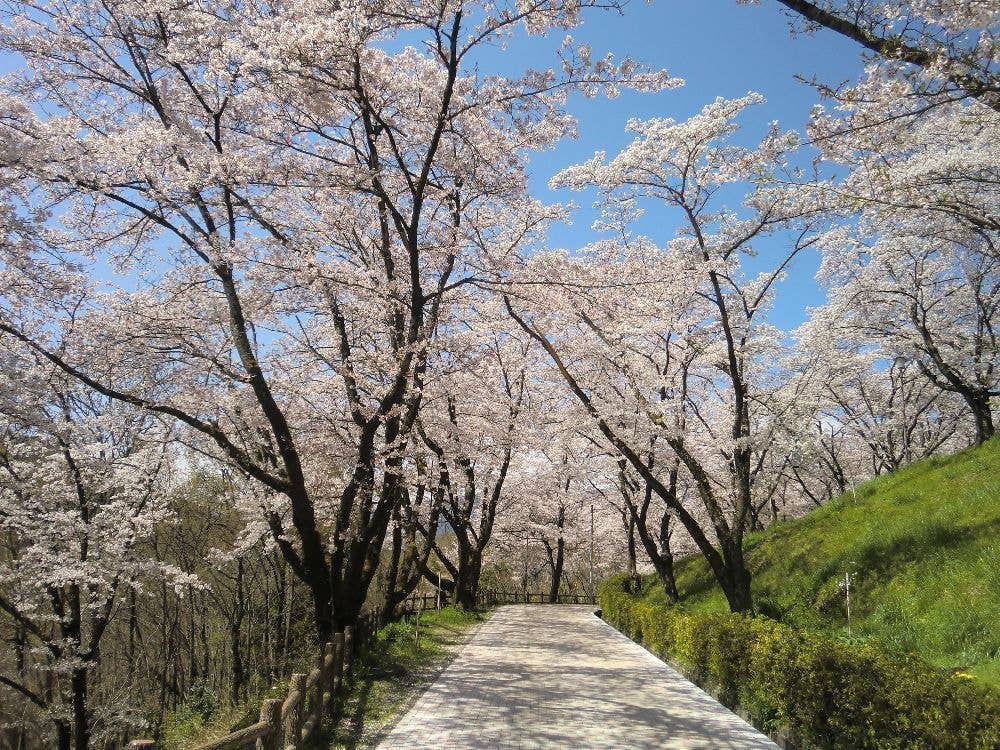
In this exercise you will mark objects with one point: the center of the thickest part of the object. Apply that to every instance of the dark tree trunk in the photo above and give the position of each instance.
(238, 678)
(980, 406)
(663, 563)
(417, 542)
(390, 602)
(64, 735)
(81, 723)
(133, 631)
(633, 567)
(558, 556)
(192, 641)
(280, 620)
(467, 582)
(665, 572)
(736, 582)
(557, 570)
(20, 644)
(203, 636)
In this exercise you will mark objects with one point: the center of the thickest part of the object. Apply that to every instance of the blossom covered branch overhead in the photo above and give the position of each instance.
(274, 274)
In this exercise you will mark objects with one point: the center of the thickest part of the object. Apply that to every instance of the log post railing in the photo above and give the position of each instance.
(288, 723)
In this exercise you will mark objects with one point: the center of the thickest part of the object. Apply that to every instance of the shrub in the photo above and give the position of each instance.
(831, 694)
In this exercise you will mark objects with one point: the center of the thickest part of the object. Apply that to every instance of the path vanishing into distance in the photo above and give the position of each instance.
(560, 677)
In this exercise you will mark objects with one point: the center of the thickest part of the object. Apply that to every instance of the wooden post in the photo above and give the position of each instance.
(293, 710)
(316, 704)
(270, 714)
(326, 678)
(141, 745)
(338, 660)
(348, 647)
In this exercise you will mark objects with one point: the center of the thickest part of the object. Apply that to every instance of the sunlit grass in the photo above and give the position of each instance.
(399, 664)
(923, 548)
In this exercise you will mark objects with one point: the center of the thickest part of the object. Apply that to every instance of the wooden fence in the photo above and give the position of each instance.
(491, 598)
(422, 603)
(288, 723)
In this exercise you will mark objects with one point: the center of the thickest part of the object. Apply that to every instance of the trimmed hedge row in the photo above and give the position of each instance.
(830, 694)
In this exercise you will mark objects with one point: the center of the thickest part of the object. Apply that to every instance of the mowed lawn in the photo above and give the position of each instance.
(923, 548)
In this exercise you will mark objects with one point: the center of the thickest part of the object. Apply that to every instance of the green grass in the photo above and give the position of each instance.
(923, 546)
(192, 725)
(403, 659)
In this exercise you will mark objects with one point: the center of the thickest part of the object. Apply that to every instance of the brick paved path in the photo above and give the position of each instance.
(558, 677)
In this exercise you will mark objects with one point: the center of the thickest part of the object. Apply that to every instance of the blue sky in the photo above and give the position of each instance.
(720, 49)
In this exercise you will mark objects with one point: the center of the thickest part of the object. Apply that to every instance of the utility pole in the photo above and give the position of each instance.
(847, 588)
(524, 581)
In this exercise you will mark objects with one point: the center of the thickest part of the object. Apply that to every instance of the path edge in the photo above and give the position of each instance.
(407, 705)
(783, 737)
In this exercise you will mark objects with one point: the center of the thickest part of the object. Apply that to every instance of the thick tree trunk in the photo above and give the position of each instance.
(390, 602)
(348, 608)
(663, 561)
(467, 581)
(980, 406)
(557, 570)
(64, 735)
(633, 566)
(665, 572)
(81, 722)
(415, 554)
(323, 612)
(735, 583)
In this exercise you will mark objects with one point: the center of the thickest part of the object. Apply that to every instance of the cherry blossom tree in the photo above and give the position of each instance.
(915, 237)
(557, 498)
(473, 424)
(288, 196)
(927, 295)
(951, 40)
(415, 529)
(704, 352)
(82, 490)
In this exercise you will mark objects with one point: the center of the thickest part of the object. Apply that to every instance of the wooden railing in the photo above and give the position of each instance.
(422, 603)
(288, 723)
(491, 598)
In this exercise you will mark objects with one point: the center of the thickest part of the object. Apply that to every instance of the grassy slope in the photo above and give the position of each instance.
(924, 547)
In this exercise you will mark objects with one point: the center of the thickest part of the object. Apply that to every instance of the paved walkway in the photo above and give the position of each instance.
(558, 677)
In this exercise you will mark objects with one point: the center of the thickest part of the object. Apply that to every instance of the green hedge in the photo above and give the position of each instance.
(829, 693)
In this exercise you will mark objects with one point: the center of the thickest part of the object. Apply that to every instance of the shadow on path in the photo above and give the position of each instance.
(558, 677)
